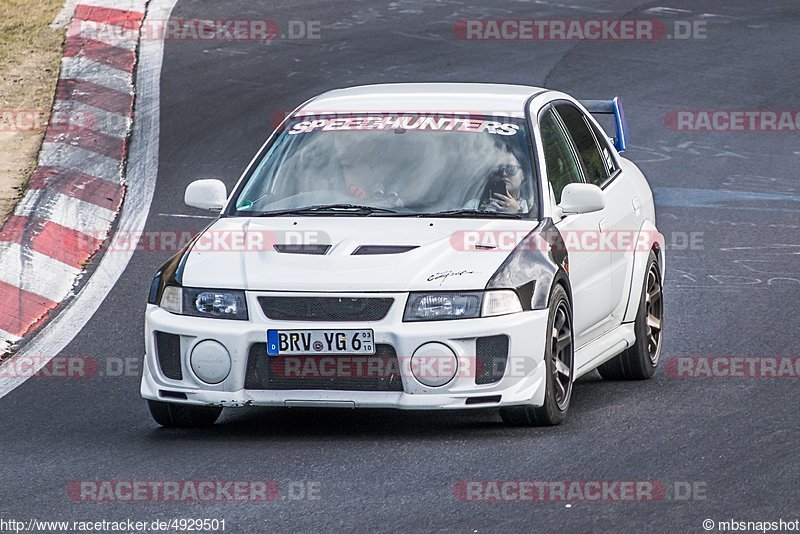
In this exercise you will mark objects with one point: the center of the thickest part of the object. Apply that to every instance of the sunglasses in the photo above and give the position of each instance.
(506, 170)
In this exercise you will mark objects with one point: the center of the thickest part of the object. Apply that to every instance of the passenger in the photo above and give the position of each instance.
(503, 191)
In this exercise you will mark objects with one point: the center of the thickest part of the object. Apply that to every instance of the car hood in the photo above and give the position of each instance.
(239, 253)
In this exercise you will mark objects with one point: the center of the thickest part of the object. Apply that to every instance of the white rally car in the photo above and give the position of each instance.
(414, 246)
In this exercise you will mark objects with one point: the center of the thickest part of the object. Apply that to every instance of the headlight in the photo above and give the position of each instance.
(437, 306)
(222, 303)
(460, 305)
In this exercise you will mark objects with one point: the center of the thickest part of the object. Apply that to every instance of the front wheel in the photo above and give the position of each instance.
(172, 414)
(639, 361)
(560, 366)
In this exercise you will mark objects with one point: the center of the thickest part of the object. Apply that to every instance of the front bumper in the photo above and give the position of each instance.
(523, 381)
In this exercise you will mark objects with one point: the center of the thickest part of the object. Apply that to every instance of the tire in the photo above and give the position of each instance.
(174, 415)
(639, 361)
(560, 366)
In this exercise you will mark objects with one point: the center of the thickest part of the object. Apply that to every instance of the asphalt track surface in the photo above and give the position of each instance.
(736, 294)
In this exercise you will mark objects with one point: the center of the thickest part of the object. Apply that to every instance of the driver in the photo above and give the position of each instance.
(358, 177)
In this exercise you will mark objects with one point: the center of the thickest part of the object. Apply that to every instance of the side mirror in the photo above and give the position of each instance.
(206, 195)
(582, 198)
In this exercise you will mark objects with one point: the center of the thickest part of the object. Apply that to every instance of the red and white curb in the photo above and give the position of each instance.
(77, 187)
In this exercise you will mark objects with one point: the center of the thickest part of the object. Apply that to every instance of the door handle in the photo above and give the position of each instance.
(603, 225)
(637, 204)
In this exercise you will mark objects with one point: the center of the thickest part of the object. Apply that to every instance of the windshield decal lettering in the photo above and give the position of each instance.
(407, 122)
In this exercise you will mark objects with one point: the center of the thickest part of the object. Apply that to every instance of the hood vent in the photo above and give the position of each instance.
(368, 250)
(315, 250)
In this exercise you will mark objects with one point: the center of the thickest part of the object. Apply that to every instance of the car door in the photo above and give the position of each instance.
(622, 216)
(588, 270)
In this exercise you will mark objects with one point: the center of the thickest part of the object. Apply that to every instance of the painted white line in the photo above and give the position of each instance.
(79, 159)
(65, 15)
(36, 272)
(572, 6)
(81, 68)
(100, 120)
(7, 340)
(141, 179)
(181, 215)
(661, 10)
(67, 211)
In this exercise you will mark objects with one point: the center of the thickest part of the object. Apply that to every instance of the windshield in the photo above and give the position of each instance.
(393, 165)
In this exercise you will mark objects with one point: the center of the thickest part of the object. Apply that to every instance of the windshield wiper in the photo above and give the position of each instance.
(472, 213)
(328, 209)
(357, 210)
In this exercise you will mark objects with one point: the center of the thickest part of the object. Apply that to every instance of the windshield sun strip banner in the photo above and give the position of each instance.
(404, 123)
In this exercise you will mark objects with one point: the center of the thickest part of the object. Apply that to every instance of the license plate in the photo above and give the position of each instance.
(280, 342)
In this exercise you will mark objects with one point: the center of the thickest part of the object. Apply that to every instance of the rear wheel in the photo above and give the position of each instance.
(559, 362)
(639, 361)
(171, 414)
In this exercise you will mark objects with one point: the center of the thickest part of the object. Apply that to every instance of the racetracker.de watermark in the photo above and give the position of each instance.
(36, 120)
(252, 491)
(760, 367)
(602, 491)
(720, 120)
(344, 367)
(217, 240)
(69, 367)
(507, 240)
(207, 30)
(595, 30)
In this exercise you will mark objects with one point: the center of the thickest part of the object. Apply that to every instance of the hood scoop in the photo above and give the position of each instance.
(369, 250)
(314, 250)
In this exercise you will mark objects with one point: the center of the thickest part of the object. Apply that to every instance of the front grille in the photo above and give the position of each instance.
(325, 308)
(168, 347)
(491, 358)
(378, 372)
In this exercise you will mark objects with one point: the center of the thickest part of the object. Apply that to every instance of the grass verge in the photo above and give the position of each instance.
(30, 53)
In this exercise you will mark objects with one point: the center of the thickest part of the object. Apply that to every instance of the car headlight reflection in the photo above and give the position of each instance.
(221, 304)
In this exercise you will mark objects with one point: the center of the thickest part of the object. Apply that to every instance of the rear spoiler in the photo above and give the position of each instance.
(611, 107)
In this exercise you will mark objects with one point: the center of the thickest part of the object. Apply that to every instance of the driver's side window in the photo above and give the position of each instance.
(562, 167)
